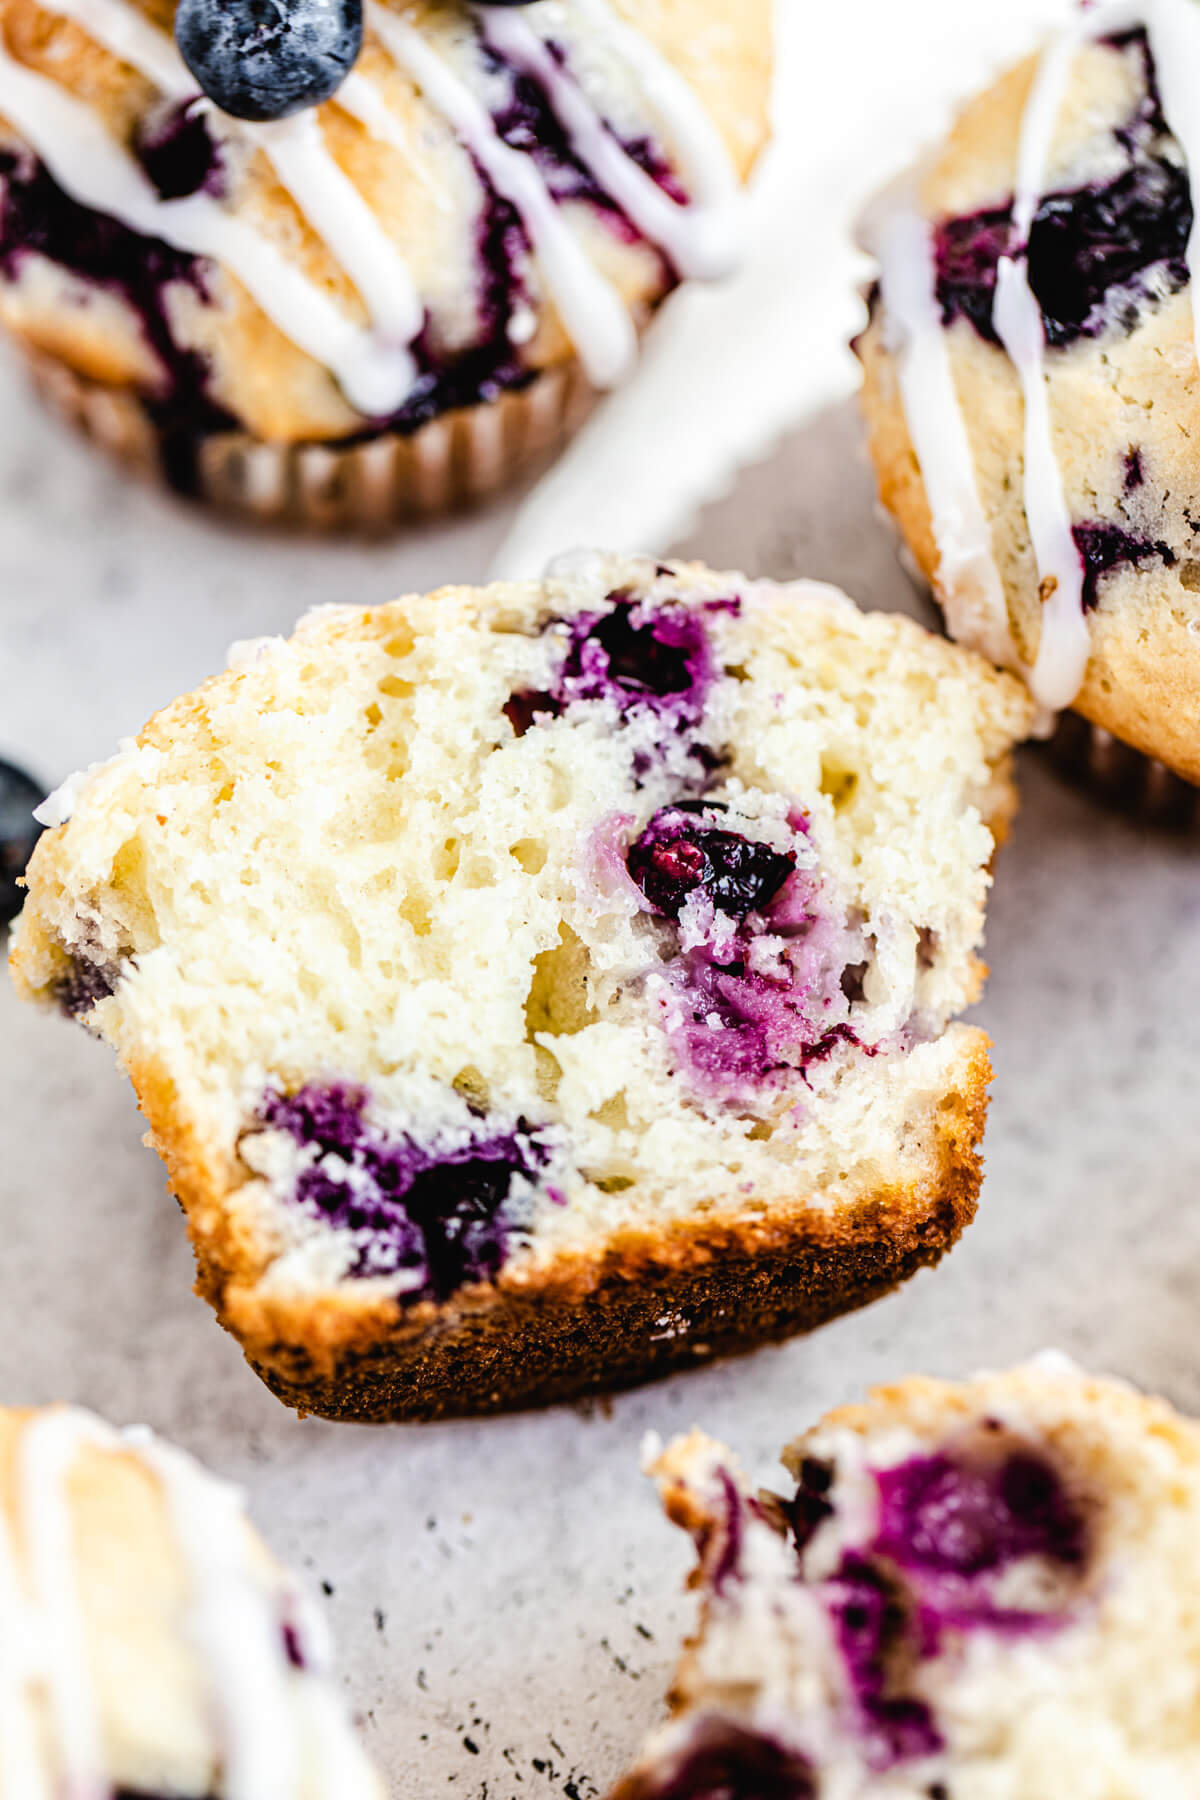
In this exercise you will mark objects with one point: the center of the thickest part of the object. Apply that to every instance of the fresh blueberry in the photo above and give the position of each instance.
(679, 853)
(265, 59)
(19, 832)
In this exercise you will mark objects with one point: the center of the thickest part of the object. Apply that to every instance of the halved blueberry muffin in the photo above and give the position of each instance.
(1031, 381)
(976, 1591)
(535, 987)
(334, 263)
(150, 1645)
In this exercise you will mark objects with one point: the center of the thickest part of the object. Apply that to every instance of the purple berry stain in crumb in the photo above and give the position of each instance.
(442, 1217)
(756, 987)
(1134, 473)
(636, 653)
(874, 1627)
(82, 984)
(1104, 546)
(943, 1516)
(293, 1648)
(724, 1760)
(720, 1541)
(947, 1528)
(1097, 253)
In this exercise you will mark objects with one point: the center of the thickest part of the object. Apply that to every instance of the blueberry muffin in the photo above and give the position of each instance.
(976, 1591)
(1030, 376)
(536, 987)
(149, 1643)
(333, 264)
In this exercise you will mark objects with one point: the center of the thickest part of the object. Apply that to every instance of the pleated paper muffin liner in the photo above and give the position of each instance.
(458, 460)
(1126, 778)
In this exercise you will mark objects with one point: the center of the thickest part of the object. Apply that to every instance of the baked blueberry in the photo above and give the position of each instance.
(429, 962)
(177, 151)
(979, 1588)
(266, 59)
(679, 854)
(19, 832)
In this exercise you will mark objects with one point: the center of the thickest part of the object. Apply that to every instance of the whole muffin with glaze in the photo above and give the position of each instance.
(386, 302)
(1030, 375)
(983, 1590)
(152, 1646)
(535, 988)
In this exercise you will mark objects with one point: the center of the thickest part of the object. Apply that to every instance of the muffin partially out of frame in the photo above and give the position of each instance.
(1031, 385)
(983, 1591)
(151, 1644)
(346, 263)
(531, 989)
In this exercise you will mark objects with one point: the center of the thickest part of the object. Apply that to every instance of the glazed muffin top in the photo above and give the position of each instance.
(1032, 378)
(490, 190)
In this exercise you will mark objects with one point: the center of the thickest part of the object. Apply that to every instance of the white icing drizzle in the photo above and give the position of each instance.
(968, 580)
(712, 181)
(130, 36)
(344, 222)
(594, 315)
(701, 238)
(239, 1603)
(85, 160)
(374, 367)
(1065, 641)
(296, 150)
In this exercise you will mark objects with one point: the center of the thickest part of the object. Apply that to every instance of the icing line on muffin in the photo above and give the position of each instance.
(595, 317)
(968, 579)
(701, 237)
(1063, 647)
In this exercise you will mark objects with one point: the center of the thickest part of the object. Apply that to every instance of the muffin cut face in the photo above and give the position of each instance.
(154, 1645)
(570, 938)
(489, 192)
(975, 1591)
(1033, 334)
